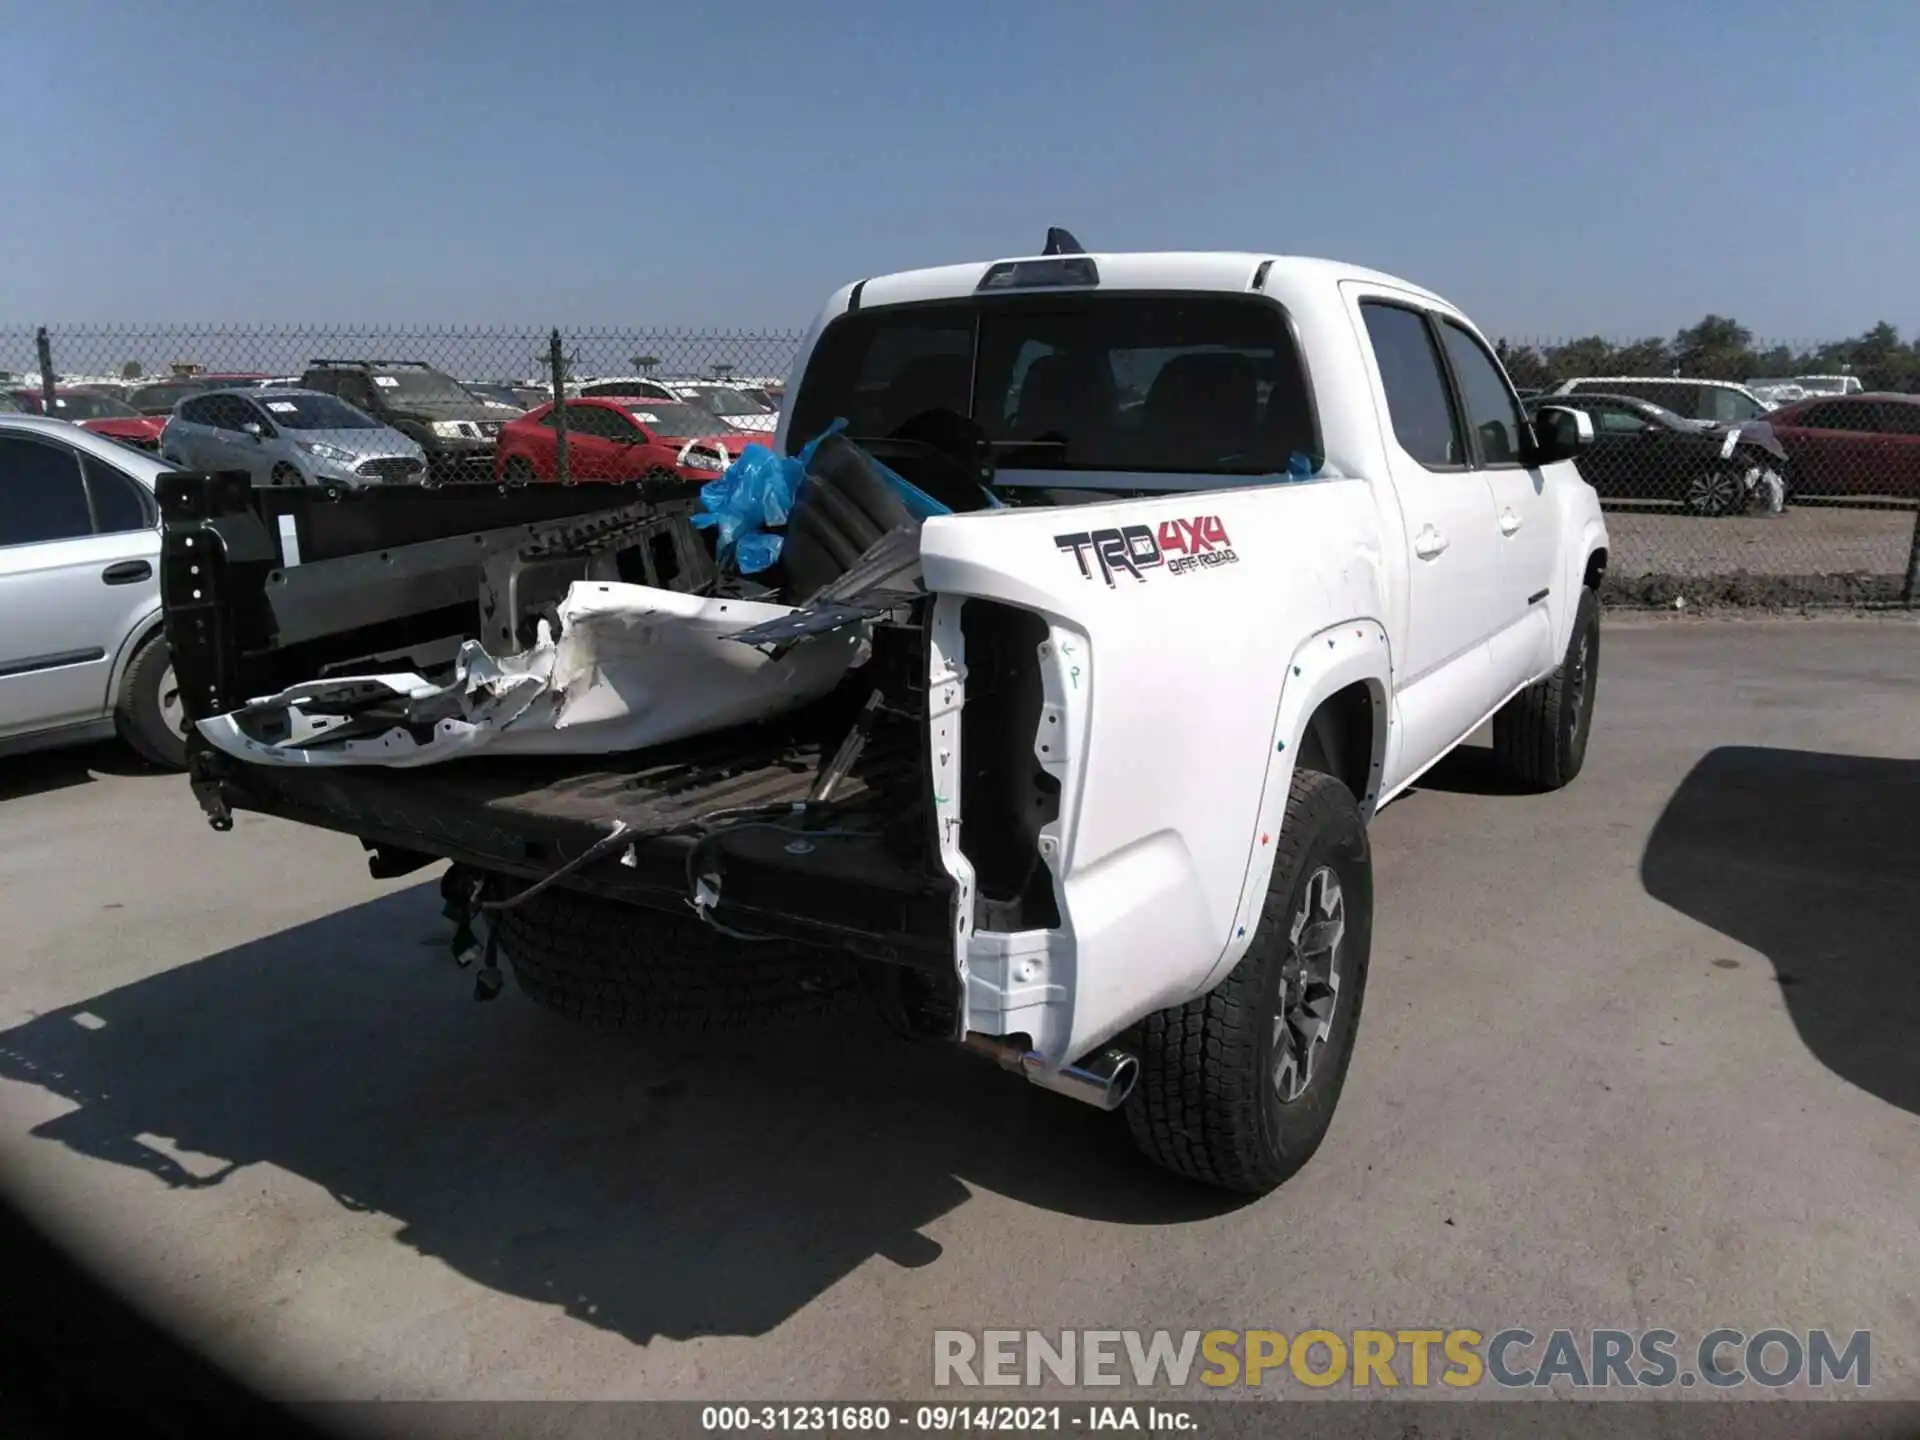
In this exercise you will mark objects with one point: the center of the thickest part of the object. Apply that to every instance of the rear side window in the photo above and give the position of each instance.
(1493, 414)
(41, 495)
(1416, 385)
(1838, 415)
(1193, 384)
(119, 502)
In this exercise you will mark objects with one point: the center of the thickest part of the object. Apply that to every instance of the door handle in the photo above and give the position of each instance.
(1429, 543)
(1509, 522)
(127, 572)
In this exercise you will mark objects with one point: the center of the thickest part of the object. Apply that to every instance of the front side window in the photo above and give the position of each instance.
(1415, 385)
(228, 412)
(1492, 412)
(41, 494)
(1176, 384)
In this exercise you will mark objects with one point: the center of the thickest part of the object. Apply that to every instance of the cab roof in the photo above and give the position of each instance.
(1223, 271)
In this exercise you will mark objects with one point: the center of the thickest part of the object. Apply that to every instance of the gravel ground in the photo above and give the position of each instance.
(1802, 541)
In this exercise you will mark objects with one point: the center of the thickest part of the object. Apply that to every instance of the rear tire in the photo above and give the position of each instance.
(1540, 735)
(148, 713)
(622, 967)
(1212, 1100)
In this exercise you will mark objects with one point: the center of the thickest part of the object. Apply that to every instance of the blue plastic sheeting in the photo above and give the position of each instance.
(757, 493)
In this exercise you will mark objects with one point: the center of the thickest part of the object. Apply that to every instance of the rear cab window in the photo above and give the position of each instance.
(1182, 385)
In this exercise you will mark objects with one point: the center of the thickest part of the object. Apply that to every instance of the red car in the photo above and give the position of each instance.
(99, 412)
(1851, 444)
(620, 438)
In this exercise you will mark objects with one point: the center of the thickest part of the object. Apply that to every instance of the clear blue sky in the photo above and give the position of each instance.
(1555, 169)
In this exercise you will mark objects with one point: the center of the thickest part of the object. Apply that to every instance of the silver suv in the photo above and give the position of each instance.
(287, 436)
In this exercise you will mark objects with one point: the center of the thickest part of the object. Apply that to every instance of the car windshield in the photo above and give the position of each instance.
(310, 410)
(667, 417)
(501, 394)
(91, 405)
(723, 400)
(420, 387)
(1195, 384)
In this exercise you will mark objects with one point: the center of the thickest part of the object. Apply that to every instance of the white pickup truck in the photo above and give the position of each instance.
(1224, 551)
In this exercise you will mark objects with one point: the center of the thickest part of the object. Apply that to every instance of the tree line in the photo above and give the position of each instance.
(1719, 348)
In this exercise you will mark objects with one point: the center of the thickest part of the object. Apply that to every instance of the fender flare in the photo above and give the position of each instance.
(1355, 651)
(1593, 538)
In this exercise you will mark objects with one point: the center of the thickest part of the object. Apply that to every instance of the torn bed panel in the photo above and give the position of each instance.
(632, 666)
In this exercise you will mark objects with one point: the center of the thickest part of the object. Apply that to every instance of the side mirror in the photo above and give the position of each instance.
(1559, 433)
(255, 429)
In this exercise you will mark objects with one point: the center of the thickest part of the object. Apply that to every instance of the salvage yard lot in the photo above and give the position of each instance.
(1638, 1054)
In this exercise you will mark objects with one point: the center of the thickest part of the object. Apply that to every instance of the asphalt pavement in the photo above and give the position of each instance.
(1639, 1054)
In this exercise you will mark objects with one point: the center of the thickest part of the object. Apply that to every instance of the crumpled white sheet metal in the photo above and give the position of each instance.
(633, 666)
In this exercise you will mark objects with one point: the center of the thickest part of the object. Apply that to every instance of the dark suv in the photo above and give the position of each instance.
(456, 428)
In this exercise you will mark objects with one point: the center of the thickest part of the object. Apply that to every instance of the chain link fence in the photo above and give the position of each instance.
(1712, 498)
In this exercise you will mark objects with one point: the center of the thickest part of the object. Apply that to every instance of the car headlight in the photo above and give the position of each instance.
(321, 450)
(450, 429)
(704, 460)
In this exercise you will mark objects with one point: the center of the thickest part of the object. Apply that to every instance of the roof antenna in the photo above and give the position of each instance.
(1061, 242)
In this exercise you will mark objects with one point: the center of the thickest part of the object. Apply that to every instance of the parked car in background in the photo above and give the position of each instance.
(729, 402)
(97, 411)
(1852, 445)
(82, 655)
(1720, 400)
(630, 386)
(1772, 393)
(158, 397)
(1643, 451)
(457, 431)
(1808, 385)
(621, 438)
(290, 437)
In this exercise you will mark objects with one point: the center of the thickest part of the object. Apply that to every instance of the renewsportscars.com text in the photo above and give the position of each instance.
(1514, 1358)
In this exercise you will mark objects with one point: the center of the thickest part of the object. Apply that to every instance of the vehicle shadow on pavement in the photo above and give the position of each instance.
(1470, 770)
(1813, 860)
(710, 1190)
(39, 771)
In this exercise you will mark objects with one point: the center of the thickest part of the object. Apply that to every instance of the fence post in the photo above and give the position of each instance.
(45, 347)
(1910, 593)
(557, 364)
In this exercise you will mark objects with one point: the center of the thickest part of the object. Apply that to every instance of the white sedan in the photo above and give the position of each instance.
(82, 655)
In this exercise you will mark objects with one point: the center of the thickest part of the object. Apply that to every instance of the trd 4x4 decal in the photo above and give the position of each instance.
(1180, 546)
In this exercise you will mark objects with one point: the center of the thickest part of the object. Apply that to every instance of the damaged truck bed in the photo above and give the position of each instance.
(743, 765)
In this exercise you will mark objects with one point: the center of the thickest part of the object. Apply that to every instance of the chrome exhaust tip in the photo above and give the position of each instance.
(1103, 1080)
